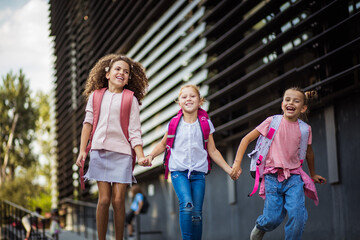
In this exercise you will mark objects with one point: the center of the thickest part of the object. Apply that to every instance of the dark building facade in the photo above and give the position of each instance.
(243, 54)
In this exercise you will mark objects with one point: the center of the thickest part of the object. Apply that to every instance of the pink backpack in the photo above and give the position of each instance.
(174, 122)
(125, 109)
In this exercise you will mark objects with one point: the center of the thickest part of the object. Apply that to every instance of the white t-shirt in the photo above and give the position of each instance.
(188, 151)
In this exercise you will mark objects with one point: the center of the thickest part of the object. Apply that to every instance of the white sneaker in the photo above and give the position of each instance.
(256, 234)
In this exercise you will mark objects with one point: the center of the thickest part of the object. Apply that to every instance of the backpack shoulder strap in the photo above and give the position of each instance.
(266, 143)
(204, 124)
(174, 122)
(125, 110)
(97, 99)
(261, 150)
(305, 132)
(205, 130)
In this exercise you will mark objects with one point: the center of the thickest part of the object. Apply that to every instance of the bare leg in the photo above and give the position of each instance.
(26, 223)
(28, 234)
(130, 229)
(102, 210)
(118, 203)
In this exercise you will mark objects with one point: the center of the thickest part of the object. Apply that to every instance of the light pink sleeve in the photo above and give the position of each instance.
(89, 117)
(310, 136)
(135, 124)
(263, 128)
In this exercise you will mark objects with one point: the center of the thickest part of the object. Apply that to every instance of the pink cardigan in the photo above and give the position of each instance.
(309, 185)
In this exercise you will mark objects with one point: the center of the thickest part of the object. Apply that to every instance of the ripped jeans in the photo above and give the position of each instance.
(190, 193)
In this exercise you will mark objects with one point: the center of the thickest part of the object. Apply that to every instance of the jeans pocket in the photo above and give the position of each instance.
(295, 180)
(270, 184)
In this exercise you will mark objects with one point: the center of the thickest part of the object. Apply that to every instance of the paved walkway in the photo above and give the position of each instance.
(68, 235)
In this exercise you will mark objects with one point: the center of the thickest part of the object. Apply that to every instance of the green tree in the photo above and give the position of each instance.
(45, 138)
(43, 132)
(17, 125)
(22, 189)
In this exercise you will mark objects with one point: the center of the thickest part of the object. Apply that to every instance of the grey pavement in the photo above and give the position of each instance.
(69, 235)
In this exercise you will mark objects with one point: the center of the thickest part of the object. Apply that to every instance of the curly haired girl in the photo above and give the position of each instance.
(111, 152)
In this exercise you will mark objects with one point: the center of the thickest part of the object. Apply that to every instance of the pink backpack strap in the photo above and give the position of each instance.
(97, 98)
(174, 122)
(263, 149)
(125, 110)
(205, 129)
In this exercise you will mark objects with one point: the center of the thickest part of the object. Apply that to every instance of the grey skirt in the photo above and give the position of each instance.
(107, 166)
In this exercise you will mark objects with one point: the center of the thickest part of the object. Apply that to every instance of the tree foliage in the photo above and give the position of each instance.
(15, 100)
(44, 135)
(32, 140)
(24, 191)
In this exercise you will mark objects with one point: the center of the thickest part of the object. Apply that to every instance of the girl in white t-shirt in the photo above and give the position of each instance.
(188, 162)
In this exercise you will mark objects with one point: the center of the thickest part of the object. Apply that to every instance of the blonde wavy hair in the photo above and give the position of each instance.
(138, 81)
(194, 87)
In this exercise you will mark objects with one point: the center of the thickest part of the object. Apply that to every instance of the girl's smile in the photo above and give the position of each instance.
(189, 100)
(118, 76)
(293, 104)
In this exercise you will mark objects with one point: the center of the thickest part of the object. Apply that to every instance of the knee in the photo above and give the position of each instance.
(104, 202)
(269, 222)
(118, 204)
(187, 207)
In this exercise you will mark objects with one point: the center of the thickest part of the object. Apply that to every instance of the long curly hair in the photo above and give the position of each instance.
(138, 81)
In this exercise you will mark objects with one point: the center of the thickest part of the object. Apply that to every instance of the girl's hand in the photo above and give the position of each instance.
(233, 173)
(236, 171)
(81, 157)
(228, 171)
(142, 161)
(146, 161)
(318, 179)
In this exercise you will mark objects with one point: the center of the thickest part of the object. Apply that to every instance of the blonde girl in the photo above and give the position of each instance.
(188, 162)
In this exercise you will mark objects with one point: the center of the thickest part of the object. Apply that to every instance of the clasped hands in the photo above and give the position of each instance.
(236, 171)
(145, 161)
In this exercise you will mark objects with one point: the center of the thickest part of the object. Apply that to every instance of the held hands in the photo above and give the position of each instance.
(318, 179)
(145, 161)
(236, 171)
(81, 158)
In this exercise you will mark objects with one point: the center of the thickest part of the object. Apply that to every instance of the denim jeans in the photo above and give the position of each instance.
(190, 193)
(281, 198)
